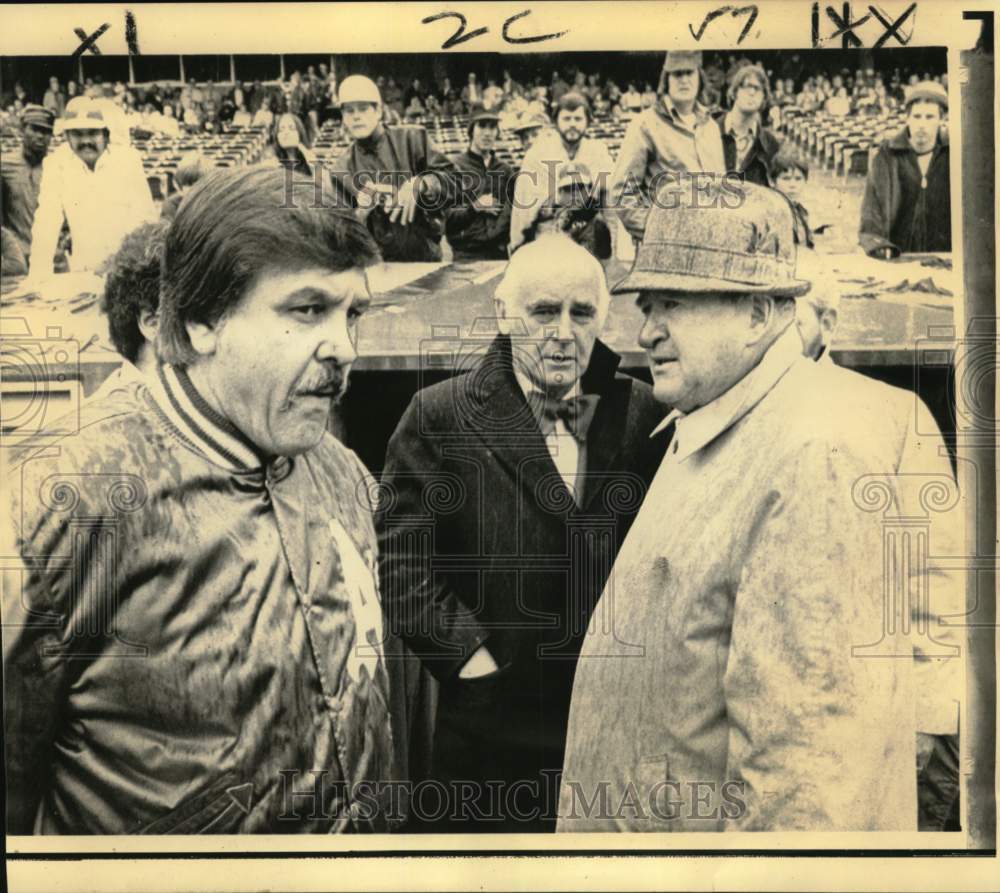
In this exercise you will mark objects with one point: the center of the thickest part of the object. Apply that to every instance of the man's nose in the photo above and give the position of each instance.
(652, 332)
(564, 332)
(337, 344)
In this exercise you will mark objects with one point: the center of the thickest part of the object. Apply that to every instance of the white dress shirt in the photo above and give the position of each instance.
(563, 446)
(101, 206)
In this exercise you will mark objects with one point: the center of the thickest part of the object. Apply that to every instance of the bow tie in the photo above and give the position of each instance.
(576, 413)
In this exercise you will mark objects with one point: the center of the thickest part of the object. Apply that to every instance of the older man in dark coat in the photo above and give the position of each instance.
(507, 493)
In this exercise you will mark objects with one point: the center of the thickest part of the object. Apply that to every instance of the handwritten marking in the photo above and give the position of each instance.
(89, 43)
(892, 29)
(845, 26)
(712, 16)
(459, 36)
(131, 33)
(734, 11)
(537, 38)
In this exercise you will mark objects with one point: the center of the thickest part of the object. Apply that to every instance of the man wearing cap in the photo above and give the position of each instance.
(677, 134)
(752, 679)
(398, 181)
(21, 178)
(478, 228)
(907, 202)
(537, 187)
(507, 491)
(748, 146)
(529, 126)
(99, 189)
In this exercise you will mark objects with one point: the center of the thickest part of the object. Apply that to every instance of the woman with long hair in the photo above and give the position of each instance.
(290, 144)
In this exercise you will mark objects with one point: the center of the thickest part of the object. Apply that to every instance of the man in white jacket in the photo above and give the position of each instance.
(98, 188)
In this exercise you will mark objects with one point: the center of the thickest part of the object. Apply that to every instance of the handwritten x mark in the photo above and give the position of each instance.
(89, 43)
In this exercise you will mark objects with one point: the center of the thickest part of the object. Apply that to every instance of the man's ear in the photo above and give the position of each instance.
(204, 338)
(828, 323)
(761, 310)
(149, 323)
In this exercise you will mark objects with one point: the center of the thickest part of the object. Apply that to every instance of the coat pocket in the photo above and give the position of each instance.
(216, 809)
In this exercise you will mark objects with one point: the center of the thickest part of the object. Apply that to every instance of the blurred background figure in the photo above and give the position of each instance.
(20, 180)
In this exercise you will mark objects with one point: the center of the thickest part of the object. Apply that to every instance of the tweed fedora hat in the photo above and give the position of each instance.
(723, 236)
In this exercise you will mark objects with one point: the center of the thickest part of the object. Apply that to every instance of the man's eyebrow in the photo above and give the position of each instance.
(310, 293)
(543, 304)
(583, 306)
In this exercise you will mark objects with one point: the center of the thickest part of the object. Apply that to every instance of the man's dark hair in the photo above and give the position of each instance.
(788, 160)
(132, 286)
(570, 102)
(237, 223)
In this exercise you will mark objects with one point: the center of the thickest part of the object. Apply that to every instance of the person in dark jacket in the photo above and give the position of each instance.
(478, 228)
(748, 146)
(907, 202)
(508, 491)
(193, 637)
(398, 181)
(21, 177)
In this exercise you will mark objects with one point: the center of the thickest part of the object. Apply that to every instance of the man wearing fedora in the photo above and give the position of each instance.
(506, 494)
(677, 134)
(752, 679)
(907, 202)
(21, 177)
(479, 226)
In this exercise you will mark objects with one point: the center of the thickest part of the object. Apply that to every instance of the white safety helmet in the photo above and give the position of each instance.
(358, 88)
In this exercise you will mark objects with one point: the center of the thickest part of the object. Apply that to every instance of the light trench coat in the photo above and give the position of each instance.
(768, 643)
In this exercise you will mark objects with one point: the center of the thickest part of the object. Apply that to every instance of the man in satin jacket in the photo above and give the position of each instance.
(192, 633)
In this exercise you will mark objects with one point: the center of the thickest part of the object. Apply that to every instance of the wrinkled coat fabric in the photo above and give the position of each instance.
(729, 693)
(185, 649)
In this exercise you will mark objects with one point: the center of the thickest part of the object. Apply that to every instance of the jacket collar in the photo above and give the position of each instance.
(665, 108)
(699, 428)
(198, 424)
(729, 120)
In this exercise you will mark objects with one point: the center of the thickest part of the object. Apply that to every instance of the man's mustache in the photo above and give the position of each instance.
(332, 382)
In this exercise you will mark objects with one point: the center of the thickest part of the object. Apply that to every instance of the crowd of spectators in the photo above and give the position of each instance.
(312, 96)
(707, 113)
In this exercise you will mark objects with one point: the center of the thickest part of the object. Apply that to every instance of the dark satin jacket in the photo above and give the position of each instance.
(194, 643)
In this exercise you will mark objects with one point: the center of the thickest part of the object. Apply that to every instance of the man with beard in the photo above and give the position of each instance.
(21, 178)
(508, 491)
(192, 638)
(99, 189)
(907, 203)
(479, 227)
(676, 135)
(398, 181)
(537, 183)
(749, 147)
